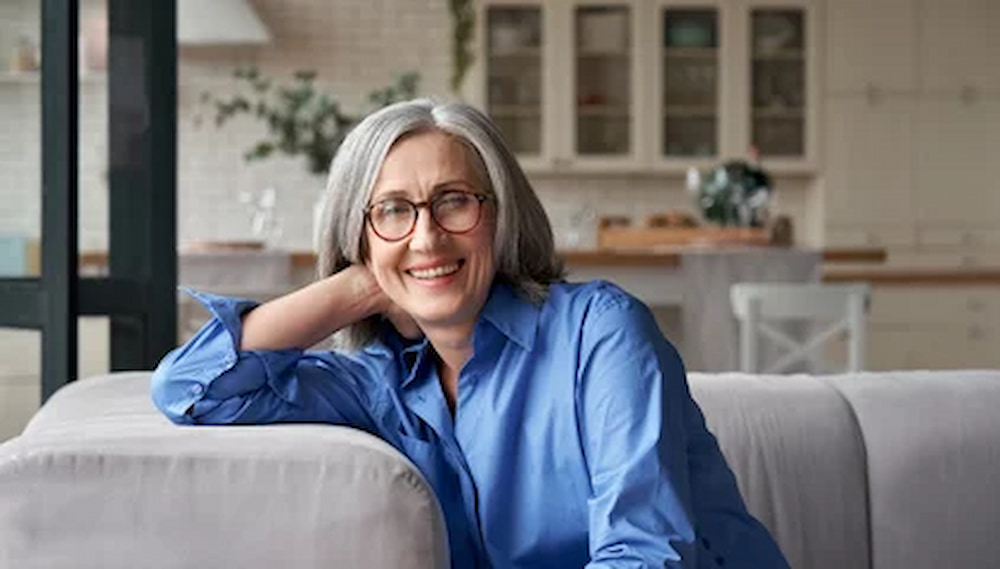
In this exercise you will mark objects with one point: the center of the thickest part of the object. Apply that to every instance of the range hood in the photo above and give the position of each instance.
(219, 22)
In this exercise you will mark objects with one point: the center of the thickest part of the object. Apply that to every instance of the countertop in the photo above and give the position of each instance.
(870, 258)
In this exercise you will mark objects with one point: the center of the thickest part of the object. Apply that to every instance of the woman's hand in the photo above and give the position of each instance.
(401, 320)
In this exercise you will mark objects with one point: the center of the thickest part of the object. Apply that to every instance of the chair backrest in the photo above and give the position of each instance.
(755, 304)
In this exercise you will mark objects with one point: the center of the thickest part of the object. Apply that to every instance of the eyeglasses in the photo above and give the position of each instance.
(453, 211)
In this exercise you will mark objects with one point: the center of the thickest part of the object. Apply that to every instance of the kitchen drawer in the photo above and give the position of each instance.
(869, 236)
(932, 237)
(953, 347)
(934, 305)
(956, 258)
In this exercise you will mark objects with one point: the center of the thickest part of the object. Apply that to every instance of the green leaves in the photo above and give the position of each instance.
(300, 119)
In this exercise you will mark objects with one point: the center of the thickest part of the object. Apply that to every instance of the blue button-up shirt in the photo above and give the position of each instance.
(575, 441)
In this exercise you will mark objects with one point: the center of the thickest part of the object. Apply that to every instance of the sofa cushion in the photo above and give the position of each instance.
(799, 459)
(933, 443)
(100, 479)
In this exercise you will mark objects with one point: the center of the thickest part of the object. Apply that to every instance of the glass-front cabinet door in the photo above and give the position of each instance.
(689, 77)
(778, 94)
(514, 77)
(605, 88)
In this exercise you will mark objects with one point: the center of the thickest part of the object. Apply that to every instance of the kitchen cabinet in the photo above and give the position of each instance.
(871, 47)
(629, 85)
(863, 191)
(956, 148)
(959, 45)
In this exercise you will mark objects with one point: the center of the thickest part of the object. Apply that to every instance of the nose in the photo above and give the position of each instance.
(426, 233)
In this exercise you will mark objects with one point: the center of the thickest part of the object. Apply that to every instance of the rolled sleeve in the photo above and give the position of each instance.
(632, 401)
(209, 381)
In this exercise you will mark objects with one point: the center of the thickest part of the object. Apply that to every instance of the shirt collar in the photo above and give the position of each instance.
(512, 315)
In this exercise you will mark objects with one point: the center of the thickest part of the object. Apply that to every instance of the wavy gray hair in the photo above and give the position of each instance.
(523, 247)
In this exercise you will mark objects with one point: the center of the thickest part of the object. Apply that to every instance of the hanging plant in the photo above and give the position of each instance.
(463, 19)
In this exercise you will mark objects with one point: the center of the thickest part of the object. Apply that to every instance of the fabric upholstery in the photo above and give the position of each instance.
(800, 461)
(933, 445)
(101, 480)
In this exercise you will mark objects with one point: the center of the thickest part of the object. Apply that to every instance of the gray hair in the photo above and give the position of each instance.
(523, 250)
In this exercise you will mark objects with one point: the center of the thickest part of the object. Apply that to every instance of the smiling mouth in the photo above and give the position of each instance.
(436, 272)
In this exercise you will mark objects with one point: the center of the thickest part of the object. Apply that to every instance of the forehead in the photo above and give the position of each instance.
(420, 162)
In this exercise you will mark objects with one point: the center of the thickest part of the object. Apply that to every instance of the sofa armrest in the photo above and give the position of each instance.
(100, 479)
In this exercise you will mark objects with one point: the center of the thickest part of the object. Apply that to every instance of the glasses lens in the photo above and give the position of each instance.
(456, 211)
(392, 218)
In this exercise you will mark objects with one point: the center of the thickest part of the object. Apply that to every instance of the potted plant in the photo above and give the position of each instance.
(301, 120)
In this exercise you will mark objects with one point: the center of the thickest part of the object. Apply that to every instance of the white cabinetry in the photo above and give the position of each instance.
(960, 46)
(629, 85)
(871, 46)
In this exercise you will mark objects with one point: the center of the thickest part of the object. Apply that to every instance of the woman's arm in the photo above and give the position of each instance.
(304, 317)
(631, 403)
(248, 365)
(662, 493)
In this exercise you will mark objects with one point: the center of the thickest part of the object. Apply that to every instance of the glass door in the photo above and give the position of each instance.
(690, 66)
(514, 75)
(778, 82)
(603, 93)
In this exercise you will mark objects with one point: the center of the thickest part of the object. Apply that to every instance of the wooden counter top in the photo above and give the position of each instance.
(97, 260)
(915, 277)
(663, 257)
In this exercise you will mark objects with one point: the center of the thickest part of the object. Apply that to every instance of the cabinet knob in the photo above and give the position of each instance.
(974, 333)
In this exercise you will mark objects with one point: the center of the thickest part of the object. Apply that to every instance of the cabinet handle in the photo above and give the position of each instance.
(969, 94)
(873, 94)
(562, 163)
(974, 305)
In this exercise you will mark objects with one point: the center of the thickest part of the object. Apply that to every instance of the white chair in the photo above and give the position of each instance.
(756, 305)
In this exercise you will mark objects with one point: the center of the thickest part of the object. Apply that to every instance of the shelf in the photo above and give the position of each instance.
(768, 113)
(519, 53)
(699, 53)
(596, 54)
(691, 111)
(515, 111)
(781, 55)
(603, 111)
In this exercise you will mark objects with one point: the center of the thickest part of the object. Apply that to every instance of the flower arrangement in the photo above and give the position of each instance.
(735, 194)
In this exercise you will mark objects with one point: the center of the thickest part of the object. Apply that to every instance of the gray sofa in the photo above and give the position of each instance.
(883, 470)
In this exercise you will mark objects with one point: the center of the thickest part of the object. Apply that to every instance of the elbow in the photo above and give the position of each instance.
(173, 396)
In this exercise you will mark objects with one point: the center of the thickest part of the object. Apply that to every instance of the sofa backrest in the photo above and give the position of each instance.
(799, 459)
(891, 470)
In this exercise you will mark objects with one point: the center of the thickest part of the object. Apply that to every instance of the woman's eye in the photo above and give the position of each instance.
(392, 209)
(453, 201)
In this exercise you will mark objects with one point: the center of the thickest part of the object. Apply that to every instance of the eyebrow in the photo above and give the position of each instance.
(438, 188)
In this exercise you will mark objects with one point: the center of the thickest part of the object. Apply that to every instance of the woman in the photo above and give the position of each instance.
(553, 420)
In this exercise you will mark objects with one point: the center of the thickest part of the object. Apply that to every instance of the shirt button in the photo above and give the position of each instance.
(197, 389)
(720, 561)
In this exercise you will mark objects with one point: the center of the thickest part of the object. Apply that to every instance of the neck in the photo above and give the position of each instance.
(453, 347)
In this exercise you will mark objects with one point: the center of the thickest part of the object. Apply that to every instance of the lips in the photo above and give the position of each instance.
(435, 272)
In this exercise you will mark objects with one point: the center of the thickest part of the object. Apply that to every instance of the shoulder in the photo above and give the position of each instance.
(592, 301)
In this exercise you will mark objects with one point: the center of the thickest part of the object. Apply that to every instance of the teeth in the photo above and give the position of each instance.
(436, 272)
